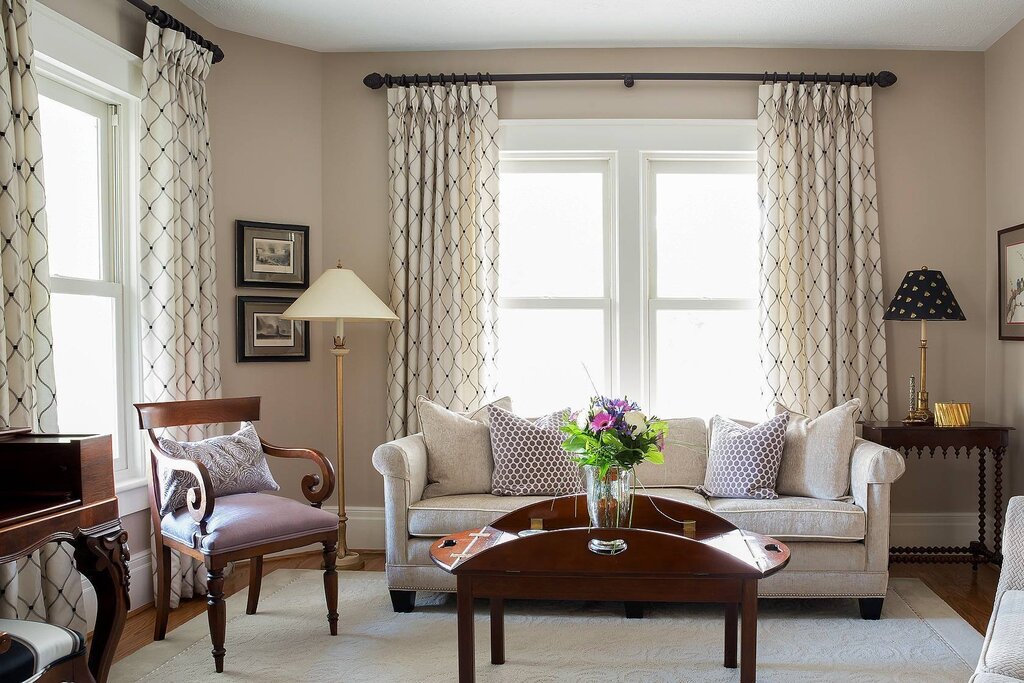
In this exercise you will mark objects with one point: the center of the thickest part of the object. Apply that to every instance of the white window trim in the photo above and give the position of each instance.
(75, 56)
(635, 144)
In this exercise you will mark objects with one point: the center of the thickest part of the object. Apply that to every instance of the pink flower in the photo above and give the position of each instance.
(601, 422)
(659, 441)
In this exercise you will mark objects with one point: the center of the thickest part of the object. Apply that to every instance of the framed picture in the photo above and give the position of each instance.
(1011, 283)
(263, 335)
(271, 255)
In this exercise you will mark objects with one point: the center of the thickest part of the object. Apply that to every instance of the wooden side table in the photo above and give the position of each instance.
(991, 440)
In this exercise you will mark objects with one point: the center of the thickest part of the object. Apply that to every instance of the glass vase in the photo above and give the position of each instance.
(609, 498)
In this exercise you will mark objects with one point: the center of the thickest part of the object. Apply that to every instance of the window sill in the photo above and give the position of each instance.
(132, 496)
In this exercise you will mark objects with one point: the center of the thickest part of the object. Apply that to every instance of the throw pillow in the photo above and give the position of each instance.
(458, 448)
(236, 463)
(816, 457)
(743, 462)
(528, 456)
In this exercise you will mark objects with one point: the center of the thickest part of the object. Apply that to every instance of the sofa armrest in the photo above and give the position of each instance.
(405, 459)
(1011, 576)
(872, 463)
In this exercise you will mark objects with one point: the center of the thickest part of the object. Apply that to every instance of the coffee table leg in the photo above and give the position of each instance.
(731, 623)
(748, 634)
(467, 665)
(497, 631)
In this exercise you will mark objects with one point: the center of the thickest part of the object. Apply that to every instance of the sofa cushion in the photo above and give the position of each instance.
(816, 455)
(686, 456)
(36, 646)
(789, 518)
(1002, 652)
(249, 518)
(447, 514)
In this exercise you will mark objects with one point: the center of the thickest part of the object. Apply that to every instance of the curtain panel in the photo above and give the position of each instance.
(443, 195)
(180, 344)
(820, 282)
(43, 586)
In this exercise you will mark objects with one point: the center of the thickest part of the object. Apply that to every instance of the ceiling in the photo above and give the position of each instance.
(393, 25)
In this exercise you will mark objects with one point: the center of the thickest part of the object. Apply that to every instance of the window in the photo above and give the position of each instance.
(630, 249)
(88, 134)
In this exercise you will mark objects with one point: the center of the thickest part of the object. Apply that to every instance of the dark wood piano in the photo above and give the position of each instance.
(61, 488)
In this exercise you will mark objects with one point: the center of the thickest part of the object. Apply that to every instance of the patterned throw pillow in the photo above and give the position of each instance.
(236, 462)
(743, 462)
(528, 456)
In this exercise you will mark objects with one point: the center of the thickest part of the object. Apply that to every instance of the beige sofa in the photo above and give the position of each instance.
(1002, 655)
(839, 548)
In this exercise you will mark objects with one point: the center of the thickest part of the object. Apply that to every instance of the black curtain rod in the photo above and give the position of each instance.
(165, 20)
(882, 79)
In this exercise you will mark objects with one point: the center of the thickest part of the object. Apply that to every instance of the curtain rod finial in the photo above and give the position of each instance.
(374, 80)
(885, 78)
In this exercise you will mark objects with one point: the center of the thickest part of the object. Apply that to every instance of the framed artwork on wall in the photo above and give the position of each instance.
(262, 335)
(272, 255)
(1010, 242)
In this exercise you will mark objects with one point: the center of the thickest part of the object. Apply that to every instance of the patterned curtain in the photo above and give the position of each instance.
(180, 346)
(43, 586)
(822, 337)
(443, 195)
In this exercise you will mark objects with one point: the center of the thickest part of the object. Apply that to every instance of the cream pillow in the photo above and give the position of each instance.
(458, 448)
(816, 457)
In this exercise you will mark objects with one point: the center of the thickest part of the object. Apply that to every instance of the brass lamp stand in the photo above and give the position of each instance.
(920, 414)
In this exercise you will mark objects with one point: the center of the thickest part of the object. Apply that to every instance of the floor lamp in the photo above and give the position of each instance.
(339, 296)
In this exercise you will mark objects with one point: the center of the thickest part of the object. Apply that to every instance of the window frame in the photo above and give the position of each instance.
(75, 58)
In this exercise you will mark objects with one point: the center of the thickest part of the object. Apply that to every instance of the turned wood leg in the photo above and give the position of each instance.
(331, 585)
(467, 663)
(979, 551)
(497, 631)
(871, 608)
(997, 499)
(163, 593)
(255, 581)
(748, 634)
(216, 611)
(731, 624)
(403, 601)
(102, 556)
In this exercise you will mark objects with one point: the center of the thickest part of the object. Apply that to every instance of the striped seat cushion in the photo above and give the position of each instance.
(35, 647)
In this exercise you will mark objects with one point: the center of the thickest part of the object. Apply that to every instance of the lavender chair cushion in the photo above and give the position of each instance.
(247, 519)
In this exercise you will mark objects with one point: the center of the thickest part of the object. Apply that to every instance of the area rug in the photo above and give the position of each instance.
(918, 639)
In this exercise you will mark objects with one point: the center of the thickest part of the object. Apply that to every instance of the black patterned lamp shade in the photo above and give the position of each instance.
(924, 295)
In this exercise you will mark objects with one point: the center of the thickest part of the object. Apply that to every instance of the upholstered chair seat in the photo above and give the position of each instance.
(245, 519)
(34, 647)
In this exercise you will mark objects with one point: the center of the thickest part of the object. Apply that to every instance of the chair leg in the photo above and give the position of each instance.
(217, 613)
(331, 585)
(163, 592)
(255, 581)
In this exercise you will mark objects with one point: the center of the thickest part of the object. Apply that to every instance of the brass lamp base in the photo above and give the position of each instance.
(350, 562)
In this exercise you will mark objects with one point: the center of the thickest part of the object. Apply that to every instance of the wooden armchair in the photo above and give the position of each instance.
(234, 527)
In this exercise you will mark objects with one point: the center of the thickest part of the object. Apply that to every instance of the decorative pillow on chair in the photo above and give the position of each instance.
(528, 456)
(816, 457)
(458, 448)
(236, 462)
(743, 462)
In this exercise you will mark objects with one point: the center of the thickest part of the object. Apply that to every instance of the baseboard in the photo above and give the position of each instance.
(933, 528)
(140, 569)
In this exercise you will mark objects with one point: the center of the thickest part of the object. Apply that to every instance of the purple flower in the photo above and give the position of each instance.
(659, 441)
(601, 421)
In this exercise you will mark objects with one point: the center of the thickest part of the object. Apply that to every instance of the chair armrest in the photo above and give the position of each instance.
(200, 498)
(872, 463)
(5, 642)
(404, 458)
(1011, 576)
(326, 480)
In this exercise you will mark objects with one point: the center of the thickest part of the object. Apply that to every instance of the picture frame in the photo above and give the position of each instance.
(1010, 288)
(261, 335)
(271, 255)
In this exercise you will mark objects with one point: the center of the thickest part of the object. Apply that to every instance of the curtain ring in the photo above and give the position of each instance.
(775, 77)
(801, 78)
(764, 81)
(465, 78)
(454, 82)
(479, 78)
(489, 81)
(428, 80)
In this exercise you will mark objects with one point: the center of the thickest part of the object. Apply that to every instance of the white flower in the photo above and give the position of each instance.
(636, 420)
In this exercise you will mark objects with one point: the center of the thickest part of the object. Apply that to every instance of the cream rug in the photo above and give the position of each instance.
(919, 638)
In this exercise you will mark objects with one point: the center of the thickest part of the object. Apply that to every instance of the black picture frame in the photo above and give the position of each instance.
(286, 265)
(249, 349)
(1010, 257)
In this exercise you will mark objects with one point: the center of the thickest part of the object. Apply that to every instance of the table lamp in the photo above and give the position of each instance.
(338, 296)
(923, 295)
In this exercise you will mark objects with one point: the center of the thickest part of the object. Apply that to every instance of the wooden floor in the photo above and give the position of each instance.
(969, 593)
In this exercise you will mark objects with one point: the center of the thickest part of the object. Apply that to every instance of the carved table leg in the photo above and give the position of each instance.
(102, 557)
(997, 520)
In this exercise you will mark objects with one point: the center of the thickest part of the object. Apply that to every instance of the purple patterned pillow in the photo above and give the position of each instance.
(743, 462)
(528, 456)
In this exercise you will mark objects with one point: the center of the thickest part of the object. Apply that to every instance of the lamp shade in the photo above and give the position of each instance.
(338, 294)
(924, 295)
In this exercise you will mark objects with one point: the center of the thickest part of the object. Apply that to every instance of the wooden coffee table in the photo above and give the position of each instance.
(720, 564)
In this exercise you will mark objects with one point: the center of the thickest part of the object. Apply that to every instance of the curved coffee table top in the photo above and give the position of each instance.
(655, 545)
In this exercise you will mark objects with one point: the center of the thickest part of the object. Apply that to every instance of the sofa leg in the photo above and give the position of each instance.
(403, 601)
(634, 610)
(871, 608)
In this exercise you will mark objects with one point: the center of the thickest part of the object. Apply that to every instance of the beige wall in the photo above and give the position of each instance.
(930, 152)
(1004, 145)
